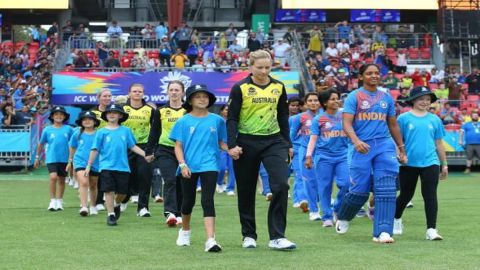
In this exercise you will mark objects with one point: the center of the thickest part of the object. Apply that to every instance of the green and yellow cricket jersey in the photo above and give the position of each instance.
(163, 122)
(258, 110)
(98, 114)
(139, 121)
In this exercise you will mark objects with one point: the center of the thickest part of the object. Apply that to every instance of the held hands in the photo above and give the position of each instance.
(69, 166)
(36, 164)
(308, 162)
(149, 158)
(186, 173)
(362, 147)
(235, 152)
(87, 171)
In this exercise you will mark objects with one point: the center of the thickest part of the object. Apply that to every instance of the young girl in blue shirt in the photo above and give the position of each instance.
(111, 144)
(80, 144)
(55, 139)
(199, 136)
(422, 133)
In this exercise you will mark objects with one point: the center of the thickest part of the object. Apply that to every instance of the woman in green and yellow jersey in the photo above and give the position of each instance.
(258, 132)
(158, 141)
(104, 98)
(140, 118)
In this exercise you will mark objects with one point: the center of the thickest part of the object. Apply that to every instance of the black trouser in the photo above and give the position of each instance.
(140, 179)
(172, 189)
(408, 182)
(165, 59)
(272, 151)
(100, 192)
(189, 186)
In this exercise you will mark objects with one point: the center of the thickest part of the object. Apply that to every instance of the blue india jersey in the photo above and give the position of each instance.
(332, 140)
(56, 143)
(294, 137)
(112, 146)
(419, 135)
(472, 132)
(301, 126)
(371, 111)
(200, 138)
(83, 144)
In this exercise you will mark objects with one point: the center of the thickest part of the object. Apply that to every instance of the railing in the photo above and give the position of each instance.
(299, 56)
(16, 146)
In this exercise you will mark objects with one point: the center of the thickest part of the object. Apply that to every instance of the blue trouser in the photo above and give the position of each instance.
(382, 161)
(298, 185)
(223, 167)
(231, 175)
(309, 180)
(326, 169)
(265, 184)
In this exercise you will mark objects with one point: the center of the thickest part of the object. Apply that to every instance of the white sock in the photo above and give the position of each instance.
(111, 214)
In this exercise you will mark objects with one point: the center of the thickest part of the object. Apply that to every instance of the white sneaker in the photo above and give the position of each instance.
(75, 184)
(100, 207)
(171, 220)
(71, 181)
(134, 199)
(296, 205)
(59, 204)
(220, 188)
(83, 211)
(158, 199)
(230, 193)
(179, 221)
(143, 213)
(327, 223)
(212, 246)
(342, 226)
(268, 197)
(183, 238)
(397, 226)
(93, 210)
(123, 207)
(314, 216)
(249, 242)
(383, 238)
(199, 189)
(281, 244)
(432, 235)
(409, 204)
(53, 205)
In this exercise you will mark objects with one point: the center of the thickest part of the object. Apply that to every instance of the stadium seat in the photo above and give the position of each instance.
(125, 63)
(425, 53)
(394, 93)
(413, 53)
(452, 127)
(473, 98)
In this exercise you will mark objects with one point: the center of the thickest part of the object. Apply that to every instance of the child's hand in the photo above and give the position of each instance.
(308, 162)
(149, 158)
(36, 164)
(186, 172)
(69, 166)
(87, 171)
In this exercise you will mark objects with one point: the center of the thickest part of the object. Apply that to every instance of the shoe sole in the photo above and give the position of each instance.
(52, 209)
(84, 213)
(435, 239)
(378, 241)
(215, 248)
(159, 201)
(171, 223)
(304, 207)
(112, 224)
(284, 249)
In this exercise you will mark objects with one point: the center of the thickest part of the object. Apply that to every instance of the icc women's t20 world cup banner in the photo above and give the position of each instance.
(77, 88)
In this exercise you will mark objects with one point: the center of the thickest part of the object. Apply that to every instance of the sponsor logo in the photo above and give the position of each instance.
(365, 105)
(251, 91)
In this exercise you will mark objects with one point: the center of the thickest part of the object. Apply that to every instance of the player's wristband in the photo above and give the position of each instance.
(37, 157)
(88, 166)
(182, 165)
(401, 146)
(444, 163)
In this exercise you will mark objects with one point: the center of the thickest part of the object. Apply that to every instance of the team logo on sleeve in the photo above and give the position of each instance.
(383, 104)
(365, 105)
(252, 91)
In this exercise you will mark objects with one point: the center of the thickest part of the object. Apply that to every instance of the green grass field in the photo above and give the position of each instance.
(33, 238)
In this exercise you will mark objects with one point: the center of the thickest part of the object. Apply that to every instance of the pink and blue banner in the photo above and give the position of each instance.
(78, 88)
